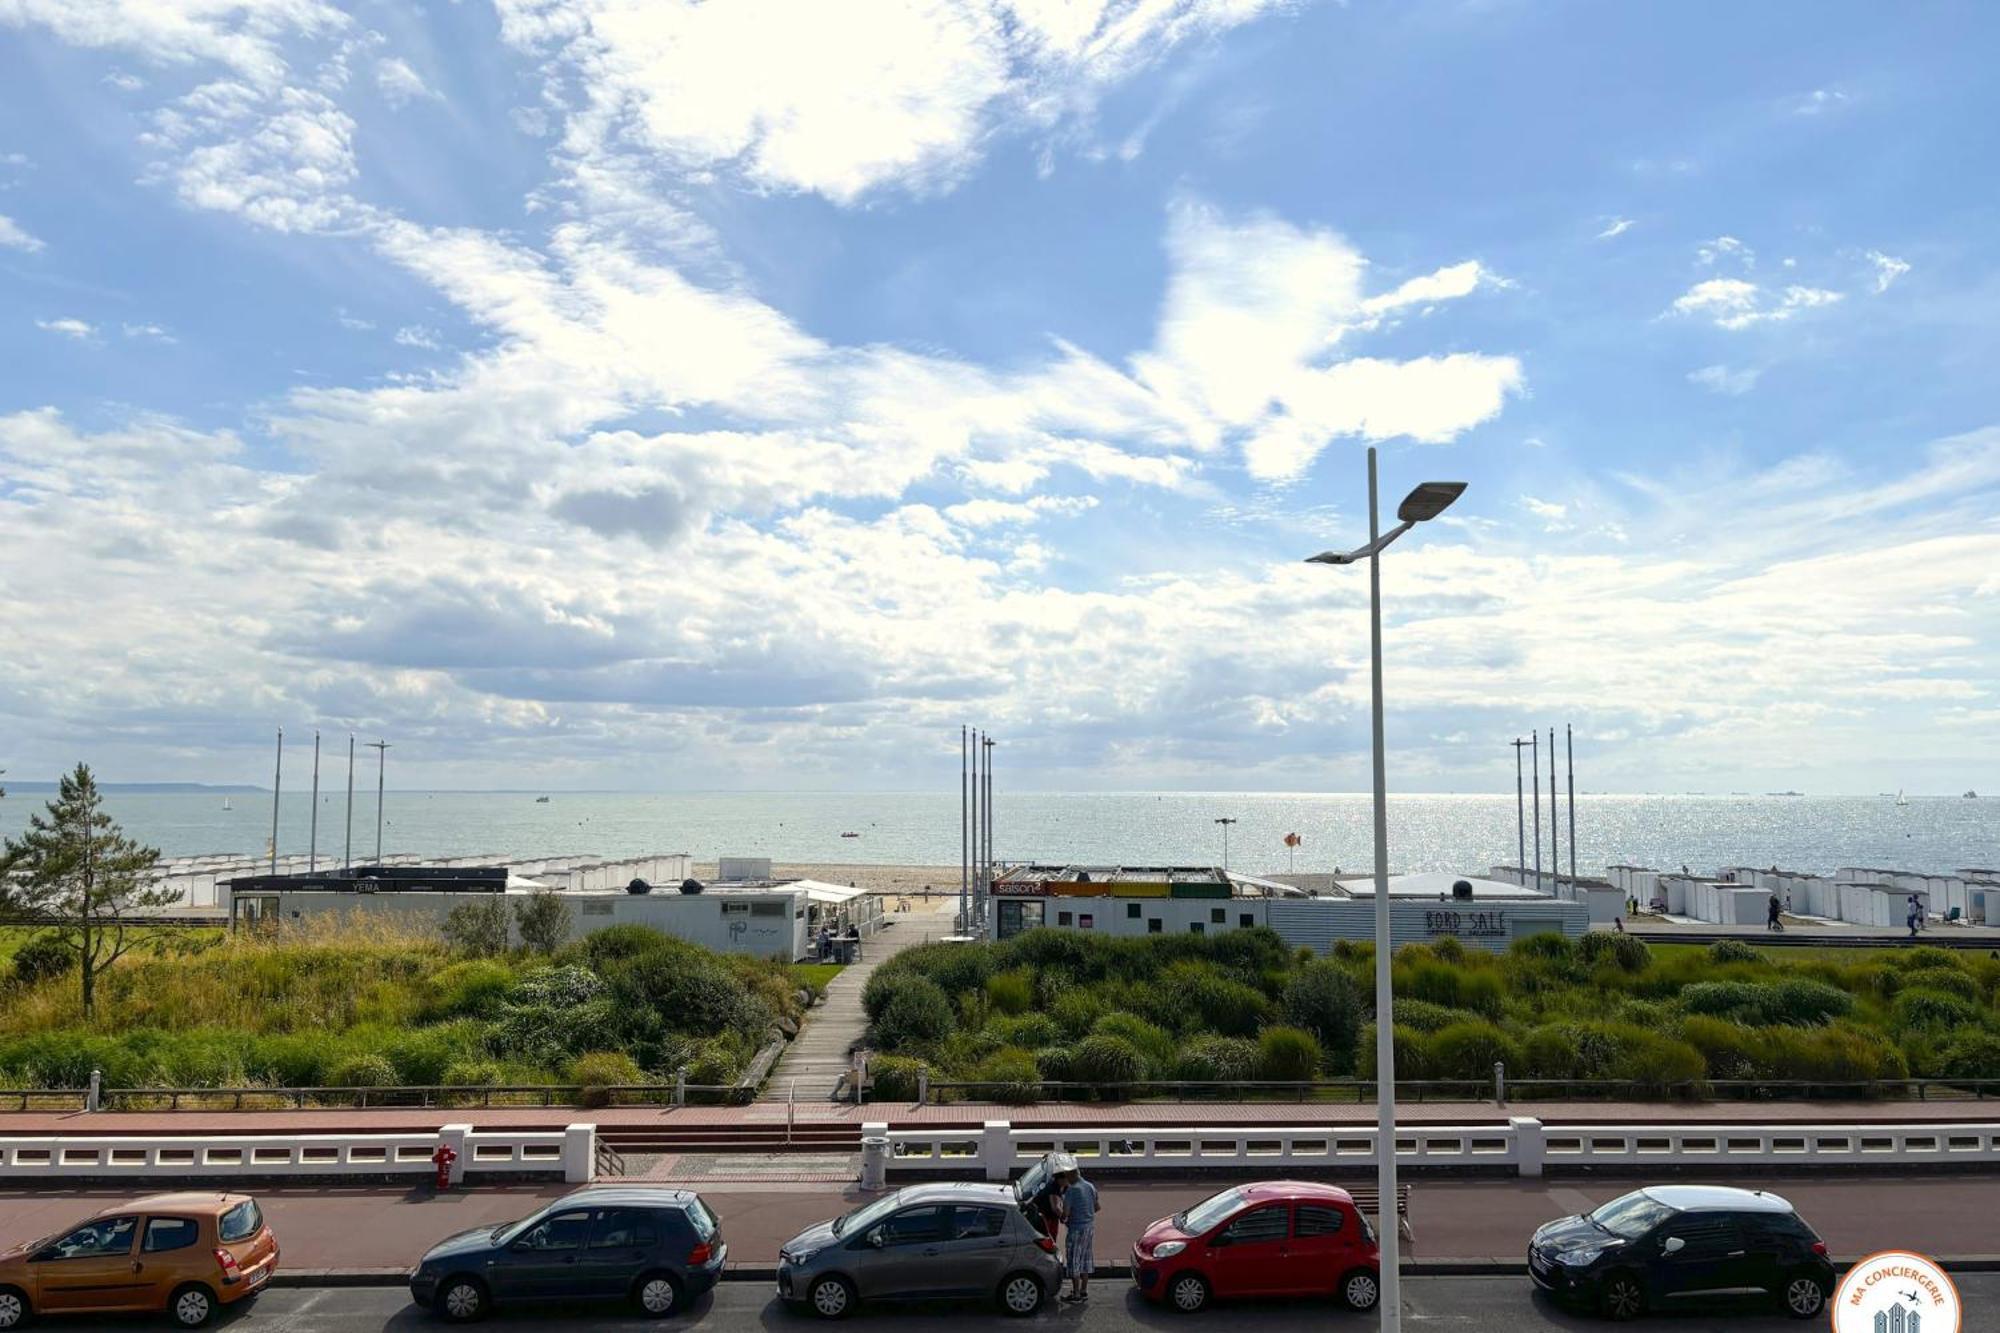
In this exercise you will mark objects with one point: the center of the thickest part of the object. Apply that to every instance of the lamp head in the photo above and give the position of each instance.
(1331, 558)
(1428, 500)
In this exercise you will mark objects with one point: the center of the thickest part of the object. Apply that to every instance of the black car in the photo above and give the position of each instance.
(656, 1248)
(1670, 1244)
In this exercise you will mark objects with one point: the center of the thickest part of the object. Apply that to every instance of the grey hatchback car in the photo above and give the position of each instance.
(951, 1240)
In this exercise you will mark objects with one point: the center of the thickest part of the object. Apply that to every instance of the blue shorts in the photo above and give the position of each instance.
(1077, 1254)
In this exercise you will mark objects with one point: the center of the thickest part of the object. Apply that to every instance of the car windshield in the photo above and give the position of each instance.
(867, 1215)
(1632, 1216)
(1208, 1212)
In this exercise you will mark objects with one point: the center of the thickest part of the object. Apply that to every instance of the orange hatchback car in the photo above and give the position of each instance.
(184, 1254)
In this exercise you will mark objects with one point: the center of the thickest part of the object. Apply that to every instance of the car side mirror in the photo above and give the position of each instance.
(1673, 1245)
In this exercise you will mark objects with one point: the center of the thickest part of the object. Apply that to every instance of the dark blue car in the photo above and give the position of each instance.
(654, 1248)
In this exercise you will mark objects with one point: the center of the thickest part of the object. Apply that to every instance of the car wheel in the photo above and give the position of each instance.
(192, 1306)
(13, 1307)
(832, 1298)
(1622, 1297)
(1021, 1294)
(1804, 1296)
(461, 1300)
(657, 1295)
(1188, 1292)
(1360, 1289)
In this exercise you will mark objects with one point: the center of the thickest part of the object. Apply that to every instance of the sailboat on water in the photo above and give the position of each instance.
(226, 805)
(1900, 798)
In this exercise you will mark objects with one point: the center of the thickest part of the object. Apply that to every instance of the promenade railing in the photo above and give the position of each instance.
(1498, 1089)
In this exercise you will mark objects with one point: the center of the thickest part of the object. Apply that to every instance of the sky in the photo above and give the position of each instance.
(647, 394)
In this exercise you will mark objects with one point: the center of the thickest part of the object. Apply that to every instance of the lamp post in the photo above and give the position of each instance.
(1427, 501)
(381, 749)
(1225, 822)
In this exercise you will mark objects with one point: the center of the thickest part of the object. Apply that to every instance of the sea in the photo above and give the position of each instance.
(1460, 833)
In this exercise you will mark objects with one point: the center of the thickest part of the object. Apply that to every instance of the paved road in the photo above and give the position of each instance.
(1442, 1305)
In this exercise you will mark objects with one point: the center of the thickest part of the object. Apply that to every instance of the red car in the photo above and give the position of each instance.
(1276, 1238)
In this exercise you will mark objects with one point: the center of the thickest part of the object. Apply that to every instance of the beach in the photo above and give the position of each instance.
(901, 880)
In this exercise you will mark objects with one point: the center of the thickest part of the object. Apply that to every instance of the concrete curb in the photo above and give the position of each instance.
(396, 1277)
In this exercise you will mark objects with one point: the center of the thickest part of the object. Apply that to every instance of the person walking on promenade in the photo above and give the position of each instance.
(1080, 1210)
(1916, 915)
(1772, 922)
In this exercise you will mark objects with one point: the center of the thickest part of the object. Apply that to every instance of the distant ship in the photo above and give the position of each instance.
(541, 800)
(1972, 796)
(226, 805)
(1902, 799)
(850, 835)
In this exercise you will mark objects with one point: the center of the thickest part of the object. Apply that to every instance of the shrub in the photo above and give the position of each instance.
(1076, 1012)
(1733, 951)
(1423, 1016)
(958, 969)
(1628, 953)
(1946, 980)
(421, 1055)
(1011, 992)
(1655, 1062)
(1014, 1073)
(1324, 1000)
(474, 1074)
(477, 929)
(1919, 1008)
(599, 1071)
(918, 1016)
(1057, 1063)
(1198, 997)
(1154, 1043)
(475, 988)
(1029, 1030)
(1469, 1050)
(894, 1078)
(1110, 1062)
(693, 993)
(1412, 1061)
(601, 948)
(42, 958)
(1971, 1055)
(1728, 1050)
(1568, 1050)
(543, 920)
(364, 1071)
(1287, 1055)
(1796, 1001)
(1453, 987)
(1217, 1060)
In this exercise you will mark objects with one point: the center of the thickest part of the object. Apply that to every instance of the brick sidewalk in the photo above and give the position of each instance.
(385, 1230)
(1081, 1115)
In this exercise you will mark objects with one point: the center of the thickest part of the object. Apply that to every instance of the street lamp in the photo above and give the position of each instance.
(1425, 502)
(1225, 821)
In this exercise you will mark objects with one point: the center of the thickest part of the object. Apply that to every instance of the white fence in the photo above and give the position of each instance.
(570, 1152)
(1523, 1144)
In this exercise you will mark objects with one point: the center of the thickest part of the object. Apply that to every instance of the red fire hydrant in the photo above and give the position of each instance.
(442, 1160)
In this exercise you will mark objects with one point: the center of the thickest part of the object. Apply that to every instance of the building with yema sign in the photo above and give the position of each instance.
(1199, 900)
(767, 918)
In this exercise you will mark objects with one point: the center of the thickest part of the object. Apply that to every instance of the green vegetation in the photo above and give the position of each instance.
(1114, 1012)
(360, 1002)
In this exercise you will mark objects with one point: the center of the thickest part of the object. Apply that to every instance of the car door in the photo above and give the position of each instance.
(92, 1268)
(1704, 1260)
(1322, 1248)
(544, 1261)
(1771, 1245)
(624, 1242)
(1246, 1255)
(166, 1244)
(976, 1250)
(904, 1264)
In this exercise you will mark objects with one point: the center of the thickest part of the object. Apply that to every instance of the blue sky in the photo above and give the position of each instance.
(607, 393)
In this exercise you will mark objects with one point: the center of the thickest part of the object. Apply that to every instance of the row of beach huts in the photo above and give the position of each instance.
(1859, 895)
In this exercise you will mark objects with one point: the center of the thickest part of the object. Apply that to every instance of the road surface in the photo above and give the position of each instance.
(1432, 1305)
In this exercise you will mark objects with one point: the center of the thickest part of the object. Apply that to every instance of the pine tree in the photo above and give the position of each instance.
(75, 873)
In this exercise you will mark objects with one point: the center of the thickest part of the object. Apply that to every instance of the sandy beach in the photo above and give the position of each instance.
(908, 880)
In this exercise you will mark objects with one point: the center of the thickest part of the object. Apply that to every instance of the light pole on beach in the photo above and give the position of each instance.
(1225, 821)
(381, 749)
(1427, 501)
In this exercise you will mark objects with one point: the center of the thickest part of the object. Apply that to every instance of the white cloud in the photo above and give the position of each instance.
(1888, 268)
(1254, 314)
(1616, 227)
(282, 160)
(802, 95)
(1709, 253)
(1817, 102)
(418, 335)
(989, 513)
(151, 332)
(1733, 303)
(13, 236)
(246, 36)
(1554, 516)
(68, 327)
(124, 82)
(400, 84)
(1724, 380)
